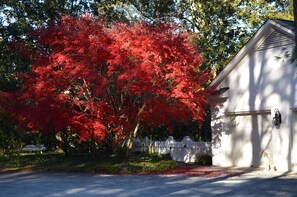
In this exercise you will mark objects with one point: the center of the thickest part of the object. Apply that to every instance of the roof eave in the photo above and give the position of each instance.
(244, 50)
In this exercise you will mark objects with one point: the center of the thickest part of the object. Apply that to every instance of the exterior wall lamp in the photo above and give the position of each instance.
(277, 119)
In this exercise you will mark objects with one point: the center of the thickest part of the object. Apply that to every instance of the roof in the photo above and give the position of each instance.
(286, 27)
(284, 23)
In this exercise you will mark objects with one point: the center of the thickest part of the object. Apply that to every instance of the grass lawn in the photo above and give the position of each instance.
(140, 163)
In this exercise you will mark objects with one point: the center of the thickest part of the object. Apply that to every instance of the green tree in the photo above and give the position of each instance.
(17, 19)
(131, 10)
(295, 19)
(224, 26)
(253, 13)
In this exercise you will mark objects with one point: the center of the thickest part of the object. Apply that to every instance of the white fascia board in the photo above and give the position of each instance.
(266, 29)
(283, 28)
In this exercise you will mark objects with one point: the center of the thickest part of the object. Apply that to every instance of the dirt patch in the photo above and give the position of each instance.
(200, 171)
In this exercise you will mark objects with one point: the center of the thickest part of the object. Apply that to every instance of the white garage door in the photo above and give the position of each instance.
(247, 135)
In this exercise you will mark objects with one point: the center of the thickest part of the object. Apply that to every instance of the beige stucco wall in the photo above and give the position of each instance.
(262, 81)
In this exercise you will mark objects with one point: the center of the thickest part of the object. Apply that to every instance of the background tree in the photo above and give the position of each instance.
(294, 53)
(109, 83)
(225, 26)
(17, 20)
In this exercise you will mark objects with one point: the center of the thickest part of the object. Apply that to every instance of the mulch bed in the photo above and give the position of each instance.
(182, 169)
(199, 171)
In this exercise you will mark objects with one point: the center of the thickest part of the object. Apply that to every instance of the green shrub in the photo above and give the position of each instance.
(204, 160)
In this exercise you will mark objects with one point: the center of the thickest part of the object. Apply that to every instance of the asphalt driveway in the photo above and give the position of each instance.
(25, 184)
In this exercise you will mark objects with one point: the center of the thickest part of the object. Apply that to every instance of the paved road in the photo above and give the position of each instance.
(25, 184)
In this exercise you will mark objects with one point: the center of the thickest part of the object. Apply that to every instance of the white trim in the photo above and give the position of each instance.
(286, 30)
(238, 113)
(252, 44)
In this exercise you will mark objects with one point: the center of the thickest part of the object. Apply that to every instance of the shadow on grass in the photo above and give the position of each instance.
(106, 164)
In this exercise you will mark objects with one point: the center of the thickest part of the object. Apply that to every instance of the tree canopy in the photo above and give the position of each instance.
(101, 82)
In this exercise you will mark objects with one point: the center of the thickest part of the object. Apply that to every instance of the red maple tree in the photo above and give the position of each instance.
(100, 81)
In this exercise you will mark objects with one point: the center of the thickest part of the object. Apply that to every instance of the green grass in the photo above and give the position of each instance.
(140, 163)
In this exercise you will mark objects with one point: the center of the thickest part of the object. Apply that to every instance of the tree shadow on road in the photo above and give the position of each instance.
(75, 184)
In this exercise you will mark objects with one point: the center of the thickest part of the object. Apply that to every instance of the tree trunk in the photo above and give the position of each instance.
(93, 148)
(132, 139)
(133, 135)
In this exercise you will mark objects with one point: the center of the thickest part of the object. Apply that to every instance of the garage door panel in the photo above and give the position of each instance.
(248, 135)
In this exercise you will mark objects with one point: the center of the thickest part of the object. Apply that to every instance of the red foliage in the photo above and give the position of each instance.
(95, 80)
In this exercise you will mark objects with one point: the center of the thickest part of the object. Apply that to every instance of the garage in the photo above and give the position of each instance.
(248, 134)
(257, 86)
